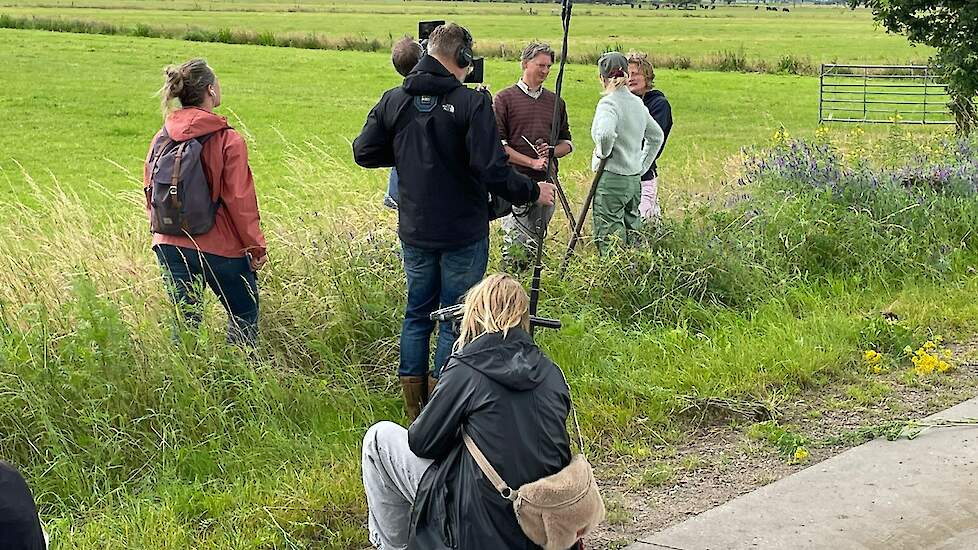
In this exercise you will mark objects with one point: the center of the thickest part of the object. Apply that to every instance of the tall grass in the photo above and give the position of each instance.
(130, 438)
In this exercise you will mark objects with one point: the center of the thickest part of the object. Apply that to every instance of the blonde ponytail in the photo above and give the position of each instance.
(612, 84)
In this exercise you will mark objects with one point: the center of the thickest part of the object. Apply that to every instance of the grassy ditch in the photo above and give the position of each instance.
(130, 439)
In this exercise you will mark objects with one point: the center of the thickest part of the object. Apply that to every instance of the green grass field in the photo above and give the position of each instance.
(323, 97)
(812, 34)
(131, 441)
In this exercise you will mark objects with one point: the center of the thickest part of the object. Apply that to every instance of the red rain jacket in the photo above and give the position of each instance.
(236, 228)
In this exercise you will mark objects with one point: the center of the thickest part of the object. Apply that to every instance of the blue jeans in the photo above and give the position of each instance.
(231, 279)
(435, 278)
(390, 200)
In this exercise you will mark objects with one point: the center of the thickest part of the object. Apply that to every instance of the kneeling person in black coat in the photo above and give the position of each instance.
(20, 528)
(424, 490)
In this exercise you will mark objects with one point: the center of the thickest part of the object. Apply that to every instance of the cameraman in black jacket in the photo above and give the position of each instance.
(442, 139)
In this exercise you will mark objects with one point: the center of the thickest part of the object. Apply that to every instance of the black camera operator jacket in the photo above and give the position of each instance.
(442, 139)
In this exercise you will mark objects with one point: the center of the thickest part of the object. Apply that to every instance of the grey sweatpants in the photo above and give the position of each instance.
(520, 233)
(391, 475)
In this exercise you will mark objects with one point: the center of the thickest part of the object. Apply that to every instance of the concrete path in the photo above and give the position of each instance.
(893, 495)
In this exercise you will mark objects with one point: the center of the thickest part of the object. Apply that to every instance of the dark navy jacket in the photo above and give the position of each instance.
(20, 528)
(658, 106)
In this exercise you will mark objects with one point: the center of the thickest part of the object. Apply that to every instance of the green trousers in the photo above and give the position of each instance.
(616, 210)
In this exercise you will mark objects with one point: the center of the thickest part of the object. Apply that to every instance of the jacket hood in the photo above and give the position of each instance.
(430, 77)
(192, 122)
(513, 361)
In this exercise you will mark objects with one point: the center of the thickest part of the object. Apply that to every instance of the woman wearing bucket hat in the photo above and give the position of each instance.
(626, 134)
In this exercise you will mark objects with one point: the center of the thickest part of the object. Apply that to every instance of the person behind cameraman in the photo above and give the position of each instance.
(524, 114)
(424, 490)
(641, 82)
(442, 138)
(404, 56)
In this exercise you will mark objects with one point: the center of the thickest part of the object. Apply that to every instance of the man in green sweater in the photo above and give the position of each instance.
(524, 115)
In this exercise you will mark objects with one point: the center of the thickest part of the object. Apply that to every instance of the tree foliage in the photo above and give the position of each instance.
(950, 26)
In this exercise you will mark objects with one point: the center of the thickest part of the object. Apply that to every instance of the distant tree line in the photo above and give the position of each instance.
(672, 2)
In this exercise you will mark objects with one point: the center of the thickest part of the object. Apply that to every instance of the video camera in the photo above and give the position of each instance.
(425, 28)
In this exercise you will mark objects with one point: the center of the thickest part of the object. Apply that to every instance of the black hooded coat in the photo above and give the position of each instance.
(20, 528)
(513, 401)
(442, 138)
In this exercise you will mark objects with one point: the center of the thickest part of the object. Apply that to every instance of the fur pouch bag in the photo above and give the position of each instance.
(556, 511)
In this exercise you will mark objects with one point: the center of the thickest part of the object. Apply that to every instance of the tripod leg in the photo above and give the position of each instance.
(579, 227)
(541, 231)
(564, 203)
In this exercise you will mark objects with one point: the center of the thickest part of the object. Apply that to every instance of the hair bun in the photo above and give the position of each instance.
(174, 79)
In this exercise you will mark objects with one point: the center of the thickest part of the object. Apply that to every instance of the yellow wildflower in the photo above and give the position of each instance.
(925, 363)
(801, 454)
(877, 369)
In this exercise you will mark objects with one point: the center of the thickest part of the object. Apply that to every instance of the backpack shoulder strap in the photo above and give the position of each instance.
(202, 140)
(162, 141)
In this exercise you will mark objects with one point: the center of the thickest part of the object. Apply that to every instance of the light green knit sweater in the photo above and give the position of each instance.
(624, 128)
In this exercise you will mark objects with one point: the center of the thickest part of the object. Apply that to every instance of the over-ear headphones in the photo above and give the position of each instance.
(464, 56)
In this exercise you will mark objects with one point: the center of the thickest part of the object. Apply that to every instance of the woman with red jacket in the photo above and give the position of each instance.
(226, 256)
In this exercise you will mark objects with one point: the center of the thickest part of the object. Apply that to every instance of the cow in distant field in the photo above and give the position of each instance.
(786, 10)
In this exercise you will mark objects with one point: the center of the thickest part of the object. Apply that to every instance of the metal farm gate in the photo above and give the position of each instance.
(882, 94)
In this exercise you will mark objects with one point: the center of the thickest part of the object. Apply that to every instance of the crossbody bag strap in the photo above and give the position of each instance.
(573, 413)
(577, 429)
(504, 490)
